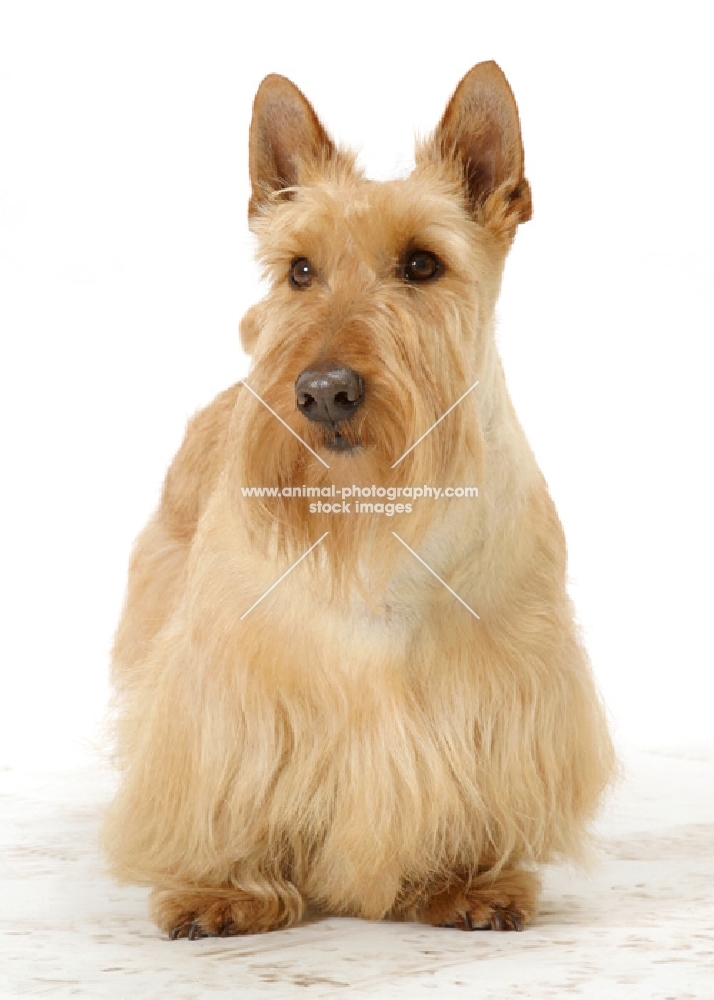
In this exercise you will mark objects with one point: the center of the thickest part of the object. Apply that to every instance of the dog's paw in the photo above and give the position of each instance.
(197, 913)
(506, 903)
(481, 917)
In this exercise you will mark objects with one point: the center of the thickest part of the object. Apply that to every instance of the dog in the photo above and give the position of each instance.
(383, 713)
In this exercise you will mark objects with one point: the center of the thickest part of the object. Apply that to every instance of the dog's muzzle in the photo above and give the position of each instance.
(329, 393)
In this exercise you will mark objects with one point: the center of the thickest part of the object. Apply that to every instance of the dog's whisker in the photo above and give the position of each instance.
(434, 425)
(286, 425)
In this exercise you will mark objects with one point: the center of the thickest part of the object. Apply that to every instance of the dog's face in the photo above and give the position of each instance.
(381, 294)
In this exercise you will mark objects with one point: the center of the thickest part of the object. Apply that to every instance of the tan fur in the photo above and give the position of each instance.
(359, 741)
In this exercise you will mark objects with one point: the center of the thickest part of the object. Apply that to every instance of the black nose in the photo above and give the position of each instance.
(329, 393)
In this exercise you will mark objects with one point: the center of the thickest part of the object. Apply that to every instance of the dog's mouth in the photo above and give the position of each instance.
(336, 441)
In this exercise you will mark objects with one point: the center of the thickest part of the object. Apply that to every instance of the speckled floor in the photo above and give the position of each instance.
(640, 926)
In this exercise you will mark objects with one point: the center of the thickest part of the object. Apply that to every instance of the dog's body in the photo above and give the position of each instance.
(358, 739)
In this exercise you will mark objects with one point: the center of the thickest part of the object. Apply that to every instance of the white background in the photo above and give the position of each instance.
(125, 265)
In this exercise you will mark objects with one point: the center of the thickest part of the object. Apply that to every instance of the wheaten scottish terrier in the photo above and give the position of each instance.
(402, 723)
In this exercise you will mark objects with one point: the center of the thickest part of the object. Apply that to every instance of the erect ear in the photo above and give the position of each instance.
(481, 129)
(285, 133)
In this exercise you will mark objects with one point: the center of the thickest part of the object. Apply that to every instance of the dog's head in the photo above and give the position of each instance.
(381, 295)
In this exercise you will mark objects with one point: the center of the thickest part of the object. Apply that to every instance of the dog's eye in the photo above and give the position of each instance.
(301, 273)
(421, 265)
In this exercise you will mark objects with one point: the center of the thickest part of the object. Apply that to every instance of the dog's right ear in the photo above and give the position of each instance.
(285, 135)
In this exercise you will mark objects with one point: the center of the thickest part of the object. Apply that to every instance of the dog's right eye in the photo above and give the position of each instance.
(422, 265)
(301, 273)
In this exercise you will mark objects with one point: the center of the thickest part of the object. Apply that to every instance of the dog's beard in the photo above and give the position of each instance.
(360, 551)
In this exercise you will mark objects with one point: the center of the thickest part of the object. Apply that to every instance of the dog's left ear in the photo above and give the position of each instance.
(285, 135)
(481, 129)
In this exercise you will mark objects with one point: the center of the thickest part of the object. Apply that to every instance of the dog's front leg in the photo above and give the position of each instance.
(261, 906)
(504, 900)
(201, 747)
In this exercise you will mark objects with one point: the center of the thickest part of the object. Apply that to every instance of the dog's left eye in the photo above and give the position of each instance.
(301, 273)
(421, 265)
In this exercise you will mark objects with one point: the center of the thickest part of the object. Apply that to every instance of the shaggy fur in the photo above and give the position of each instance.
(359, 741)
